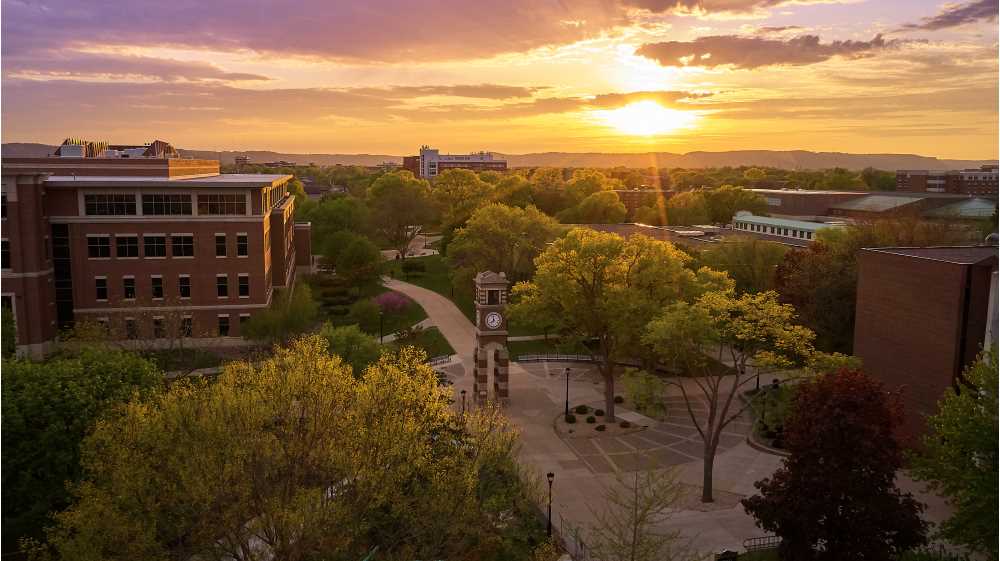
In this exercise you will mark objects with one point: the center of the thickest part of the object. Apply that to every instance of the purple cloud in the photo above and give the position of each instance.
(75, 64)
(955, 15)
(754, 52)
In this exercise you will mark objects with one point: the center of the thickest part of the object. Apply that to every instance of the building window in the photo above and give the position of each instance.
(155, 246)
(244, 286)
(4, 254)
(156, 282)
(128, 288)
(3, 207)
(98, 246)
(223, 326)
(184, 286)
(242, 245)
(182, 246)
(222, 286)
(243, 319)
(222, 204)
(492, 297)
(220, 245)
(120, 204)
(131, 329)
(127, 246)
(166, 204)
(158, 330)
(101, 288)
(187, 327)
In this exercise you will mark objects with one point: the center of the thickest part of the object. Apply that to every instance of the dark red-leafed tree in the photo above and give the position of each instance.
(835, 498)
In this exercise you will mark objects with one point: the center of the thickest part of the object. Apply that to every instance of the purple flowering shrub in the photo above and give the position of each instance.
(392, 302)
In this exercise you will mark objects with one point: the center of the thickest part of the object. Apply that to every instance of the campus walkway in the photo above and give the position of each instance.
(584, 467)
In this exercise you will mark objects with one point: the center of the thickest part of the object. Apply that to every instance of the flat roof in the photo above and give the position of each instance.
(217, 180)
(877, 203)
(808, 192)
(970, 208)
(959, 254)
(782, 222)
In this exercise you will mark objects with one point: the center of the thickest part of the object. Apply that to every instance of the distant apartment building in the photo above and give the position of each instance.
(982, 181)
(923, 315)
(431, 162)
(127, 240)
(635, 198)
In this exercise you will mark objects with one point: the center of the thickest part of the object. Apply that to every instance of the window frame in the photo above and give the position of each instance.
(147, 238)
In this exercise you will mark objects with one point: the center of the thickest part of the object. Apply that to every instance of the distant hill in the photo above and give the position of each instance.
(786, 159)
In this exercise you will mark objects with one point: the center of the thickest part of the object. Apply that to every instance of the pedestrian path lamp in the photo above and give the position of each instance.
(567, 391)
(550, 476)
(463, 402)
(381, 323)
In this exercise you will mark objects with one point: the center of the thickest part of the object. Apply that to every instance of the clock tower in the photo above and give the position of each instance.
(491, 338)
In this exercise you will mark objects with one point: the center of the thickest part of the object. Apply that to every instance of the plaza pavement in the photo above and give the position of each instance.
(584, 468)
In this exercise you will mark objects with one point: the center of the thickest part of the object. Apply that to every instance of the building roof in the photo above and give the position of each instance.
(806, 192)
(489, 277)
(877, 203)
(743, 216)
(969, 208)
(218, 180)
(959, 255)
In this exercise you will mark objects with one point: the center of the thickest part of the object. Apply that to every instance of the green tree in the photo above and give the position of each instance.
(959, 457)
(724, 202)
(878, 180)
(685, 209)
(296, 458)
(500, 238)
(358, 262)
(750, 262)
(749, 328)
(48, 408)
(291, 312)
(653, 215)
(598, 286)
(586, 182)
(549, 191)
(458, 193)
(754, 174)
(400, 205)
(602, 207)
(638, 508)
(357, 348)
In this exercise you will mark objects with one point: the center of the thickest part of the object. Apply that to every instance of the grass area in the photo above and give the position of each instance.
(436, 277)
(407, 318)
(549, 346)
(431, 341)
(334, 306)
(766, 555)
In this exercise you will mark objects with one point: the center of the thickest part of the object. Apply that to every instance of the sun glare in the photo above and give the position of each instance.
(646, 118)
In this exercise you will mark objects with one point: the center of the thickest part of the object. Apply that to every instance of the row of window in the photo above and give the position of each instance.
(124, 204)
(183, 287)
(181, 245)
(184, 329)
(787, 232)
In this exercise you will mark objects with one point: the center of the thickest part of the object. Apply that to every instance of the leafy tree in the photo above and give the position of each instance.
(754, 174)
(400, 205)
(500, 238)
(644, 391)
(602, 207)
(48, 408)
(835, 497)
(749, 261)
(365, 313)
(358, 262)
(514, 190)
(458, 193)
(549, 190)
(840, 179)
(296, 189)
(335, 214)
(586, 182)
(878, 180)
(295, 458)
(357, 348)
(749, 327)
(654, 215)
(291, 312)
(639, 506)
(959, 457)
(723, 203)
(333, 245)
(598, 286)
(685, 209)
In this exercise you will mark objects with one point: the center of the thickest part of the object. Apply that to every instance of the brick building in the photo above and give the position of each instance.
(635, 198)
(431, 162)
(982, 181)
(922, 317)
(804, 203)
(142, 245)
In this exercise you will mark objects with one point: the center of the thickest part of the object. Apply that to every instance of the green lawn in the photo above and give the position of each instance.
(550, 346)
(431, 341)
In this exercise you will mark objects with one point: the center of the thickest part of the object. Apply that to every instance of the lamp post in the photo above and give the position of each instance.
(567, 391)
(550, 476)
(381, 323)
(767, 397)
(463, 402)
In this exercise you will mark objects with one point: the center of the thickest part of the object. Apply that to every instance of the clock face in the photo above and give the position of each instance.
(493, 320)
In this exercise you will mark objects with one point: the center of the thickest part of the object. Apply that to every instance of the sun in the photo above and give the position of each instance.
(647, 118)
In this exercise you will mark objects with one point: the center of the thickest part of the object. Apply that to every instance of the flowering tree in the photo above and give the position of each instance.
(392, 302)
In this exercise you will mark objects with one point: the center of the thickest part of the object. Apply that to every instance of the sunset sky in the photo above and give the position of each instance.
(384, 76)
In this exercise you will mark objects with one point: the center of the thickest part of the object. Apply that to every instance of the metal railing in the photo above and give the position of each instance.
(439, 360)
(573, 358)
(761, 543)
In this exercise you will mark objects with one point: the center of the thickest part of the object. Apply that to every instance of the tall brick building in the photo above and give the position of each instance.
(922, 317)
(138, 242)
(982, 181)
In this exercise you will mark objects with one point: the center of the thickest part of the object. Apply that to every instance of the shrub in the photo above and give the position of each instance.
(591, 420)
(365, 314)
(625, 424)
(571, 418)
(582, 409)
(600, 428)
(644, 391)
(414, 267)
(392, 302)
(599, 412)
(619, 399)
